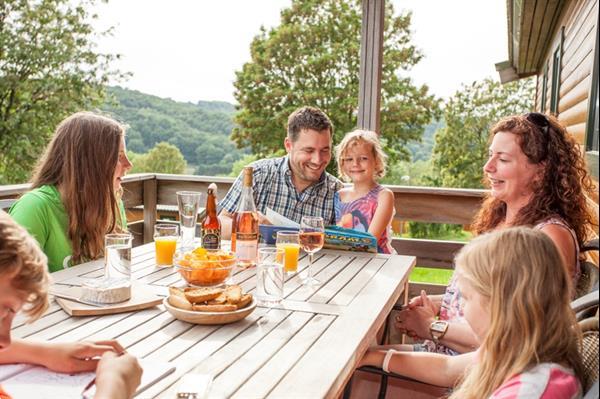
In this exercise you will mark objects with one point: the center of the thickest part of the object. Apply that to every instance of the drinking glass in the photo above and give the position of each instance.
(289, 241)
(188, 203)
(312, 238)
(269, 276)
(165, 243)
(117, 256)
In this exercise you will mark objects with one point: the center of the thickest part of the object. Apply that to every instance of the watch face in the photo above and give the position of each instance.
(438, 326)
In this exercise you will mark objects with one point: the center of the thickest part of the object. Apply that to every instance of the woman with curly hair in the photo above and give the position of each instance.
(537, 178)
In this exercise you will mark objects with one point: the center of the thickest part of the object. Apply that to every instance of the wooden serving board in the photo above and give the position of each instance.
(142, 297)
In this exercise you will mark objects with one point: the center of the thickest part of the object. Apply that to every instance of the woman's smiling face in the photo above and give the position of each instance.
(510, 173)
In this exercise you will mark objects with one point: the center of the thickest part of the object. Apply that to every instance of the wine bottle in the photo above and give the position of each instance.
(244, 236)
(211, 226)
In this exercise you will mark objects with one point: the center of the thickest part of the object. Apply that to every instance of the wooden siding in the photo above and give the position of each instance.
(579, 19)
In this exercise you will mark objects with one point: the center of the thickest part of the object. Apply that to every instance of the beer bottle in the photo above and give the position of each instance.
(211, 226)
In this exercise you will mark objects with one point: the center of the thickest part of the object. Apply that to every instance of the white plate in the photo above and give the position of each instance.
(196, 317)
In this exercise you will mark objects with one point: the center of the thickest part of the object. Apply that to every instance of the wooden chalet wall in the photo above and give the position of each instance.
(575, 35)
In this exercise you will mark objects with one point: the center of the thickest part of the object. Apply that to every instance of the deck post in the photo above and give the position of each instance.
(371, 59)
(150, 199)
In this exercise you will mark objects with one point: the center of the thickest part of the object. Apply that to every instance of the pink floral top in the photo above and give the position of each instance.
(358, 214)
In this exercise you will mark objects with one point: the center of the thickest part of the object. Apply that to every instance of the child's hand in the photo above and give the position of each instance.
(75, 357)
(117, 376)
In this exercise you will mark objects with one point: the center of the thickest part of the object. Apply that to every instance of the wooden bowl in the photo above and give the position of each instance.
(196, 317)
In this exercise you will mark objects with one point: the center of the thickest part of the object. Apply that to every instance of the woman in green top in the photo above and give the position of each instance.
(76, 190)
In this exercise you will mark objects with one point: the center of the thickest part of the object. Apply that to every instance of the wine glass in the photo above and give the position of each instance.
(312, 238)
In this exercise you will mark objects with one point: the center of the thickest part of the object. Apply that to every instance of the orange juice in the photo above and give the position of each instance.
(165, 248)
(292, 253)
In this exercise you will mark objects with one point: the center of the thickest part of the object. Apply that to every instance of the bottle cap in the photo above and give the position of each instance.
(212, 188)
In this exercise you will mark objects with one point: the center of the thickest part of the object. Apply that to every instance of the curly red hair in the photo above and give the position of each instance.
(562, 190)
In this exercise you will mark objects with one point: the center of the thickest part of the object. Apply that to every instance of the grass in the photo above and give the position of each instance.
(463, 236)
(429, 275)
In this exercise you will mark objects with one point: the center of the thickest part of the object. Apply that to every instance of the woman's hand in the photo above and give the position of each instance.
(117, 377)
(416, 319)
(74, 357)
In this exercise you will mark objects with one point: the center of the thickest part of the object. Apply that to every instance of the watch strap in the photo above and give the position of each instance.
(386, 360)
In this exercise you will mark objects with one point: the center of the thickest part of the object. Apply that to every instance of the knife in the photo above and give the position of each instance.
(75, 299)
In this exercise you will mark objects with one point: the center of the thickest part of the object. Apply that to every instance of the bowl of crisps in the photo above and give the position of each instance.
(203, 267)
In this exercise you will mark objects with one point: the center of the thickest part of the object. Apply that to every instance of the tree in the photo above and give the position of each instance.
(461, 148)
(312, 58)
(163, 158)
(48, 69)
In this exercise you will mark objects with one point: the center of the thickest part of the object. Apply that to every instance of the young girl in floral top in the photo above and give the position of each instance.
(516, 299)
(366, 205)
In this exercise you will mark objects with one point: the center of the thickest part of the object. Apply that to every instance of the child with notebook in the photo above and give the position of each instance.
(366, 205)
(24, 285)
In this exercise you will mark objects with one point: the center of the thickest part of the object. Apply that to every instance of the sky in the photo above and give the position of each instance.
(189, 50)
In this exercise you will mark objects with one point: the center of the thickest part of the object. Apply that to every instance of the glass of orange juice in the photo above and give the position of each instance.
(289, 241)
(165, 241)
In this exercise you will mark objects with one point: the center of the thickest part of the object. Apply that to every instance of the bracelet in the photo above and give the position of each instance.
(386, 359)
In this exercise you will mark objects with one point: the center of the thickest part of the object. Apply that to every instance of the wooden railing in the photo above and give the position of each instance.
(422, 204)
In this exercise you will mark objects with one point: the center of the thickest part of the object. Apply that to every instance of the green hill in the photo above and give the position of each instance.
(200, 131)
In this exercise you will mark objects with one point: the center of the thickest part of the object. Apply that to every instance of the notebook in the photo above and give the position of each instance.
(41, 383)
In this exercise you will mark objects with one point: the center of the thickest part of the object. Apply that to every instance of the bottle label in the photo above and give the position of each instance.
(246, 250)
(239, 236)
(211, 239)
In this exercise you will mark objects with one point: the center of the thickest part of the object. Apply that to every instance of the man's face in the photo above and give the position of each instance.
(309, 155)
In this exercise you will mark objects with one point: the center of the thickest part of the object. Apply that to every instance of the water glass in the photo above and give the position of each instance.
(165, 243)
(188, 203)
(289, 241)
(117, 256)
(269, 276)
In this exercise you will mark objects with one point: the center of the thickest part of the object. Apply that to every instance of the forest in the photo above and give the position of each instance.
(200, 131)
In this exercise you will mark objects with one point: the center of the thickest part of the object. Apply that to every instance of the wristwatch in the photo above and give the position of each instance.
(438, 329)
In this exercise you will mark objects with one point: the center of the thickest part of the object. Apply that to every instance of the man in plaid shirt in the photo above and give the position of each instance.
(297, 184)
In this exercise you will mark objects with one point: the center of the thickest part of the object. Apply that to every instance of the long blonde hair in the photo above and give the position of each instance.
(81, 159)
(519, 274)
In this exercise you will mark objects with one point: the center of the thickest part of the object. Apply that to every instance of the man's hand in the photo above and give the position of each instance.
(262, 219)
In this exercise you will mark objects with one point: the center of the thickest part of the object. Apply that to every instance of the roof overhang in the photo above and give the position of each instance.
(531, 24)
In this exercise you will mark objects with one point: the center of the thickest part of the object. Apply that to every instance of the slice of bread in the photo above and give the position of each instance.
(244, 301)
(179, 302)
(214, 308)
(231, 295)
(234, 294)
(176, 291)
(197, 295)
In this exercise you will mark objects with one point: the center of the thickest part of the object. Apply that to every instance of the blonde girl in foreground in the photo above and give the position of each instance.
(516, 299)
(366, 205)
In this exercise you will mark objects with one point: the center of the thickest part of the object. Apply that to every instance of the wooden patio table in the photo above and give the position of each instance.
(308, 346)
